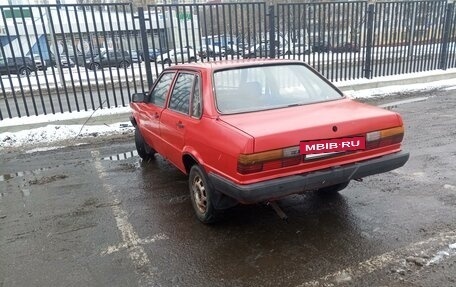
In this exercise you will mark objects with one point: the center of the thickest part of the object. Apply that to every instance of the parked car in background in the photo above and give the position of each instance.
(295, 49)
(210, 51)
(176, 56)
(321, 47)
(154, 53)
(109, 58)
(345, 48)
(234, 50)
(51, 61)
(136, 57)
(255, 131)
(20, 66)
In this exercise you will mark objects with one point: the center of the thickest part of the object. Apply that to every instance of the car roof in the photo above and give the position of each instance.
(231, 64)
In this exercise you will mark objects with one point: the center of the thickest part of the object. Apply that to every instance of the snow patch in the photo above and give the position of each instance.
(38, 149)
(53, 133)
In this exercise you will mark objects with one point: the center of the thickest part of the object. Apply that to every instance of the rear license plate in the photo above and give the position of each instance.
(332, 145)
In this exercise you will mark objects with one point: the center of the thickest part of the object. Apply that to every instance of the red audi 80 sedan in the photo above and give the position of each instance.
(251, 131)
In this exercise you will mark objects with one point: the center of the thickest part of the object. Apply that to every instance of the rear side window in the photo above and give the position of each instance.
(160, 91)
(180, 98)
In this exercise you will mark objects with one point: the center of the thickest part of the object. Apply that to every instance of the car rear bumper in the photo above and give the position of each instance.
(276, 188)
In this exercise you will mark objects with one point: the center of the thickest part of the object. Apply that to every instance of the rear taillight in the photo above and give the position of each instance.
(256, 162)
(384, 137)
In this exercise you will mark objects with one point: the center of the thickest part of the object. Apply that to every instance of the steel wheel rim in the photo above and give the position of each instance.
(199, 194)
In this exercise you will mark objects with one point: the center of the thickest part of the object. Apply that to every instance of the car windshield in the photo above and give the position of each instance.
(268, 87)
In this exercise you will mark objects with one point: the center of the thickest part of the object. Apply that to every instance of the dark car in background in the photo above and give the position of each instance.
(154, 53)
(321, 47)
(119, 59)
(22, 66)
(136, 56)
(65, 61)
(345, 48)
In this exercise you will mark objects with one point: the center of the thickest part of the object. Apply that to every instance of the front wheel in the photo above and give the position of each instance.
(201, 192)
(144, 150)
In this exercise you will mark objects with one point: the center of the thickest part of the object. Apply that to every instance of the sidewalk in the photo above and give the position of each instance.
(116, 120)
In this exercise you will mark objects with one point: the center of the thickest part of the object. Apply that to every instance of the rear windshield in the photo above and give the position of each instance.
(268, 87)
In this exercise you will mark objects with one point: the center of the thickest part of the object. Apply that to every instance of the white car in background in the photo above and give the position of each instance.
(176, 56)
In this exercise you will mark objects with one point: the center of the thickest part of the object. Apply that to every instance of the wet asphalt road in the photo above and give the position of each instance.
(77, 218)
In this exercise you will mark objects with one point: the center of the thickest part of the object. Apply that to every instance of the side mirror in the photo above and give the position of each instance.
(139, 97)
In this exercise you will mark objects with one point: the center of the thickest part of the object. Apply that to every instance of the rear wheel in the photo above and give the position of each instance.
(24, 71)
(94, 66)
(144, 150)
(201, 192)
(192, 59)
(123, 64)
(333, 189)
(167, 62)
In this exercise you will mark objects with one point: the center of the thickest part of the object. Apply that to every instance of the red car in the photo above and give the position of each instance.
(254, 131)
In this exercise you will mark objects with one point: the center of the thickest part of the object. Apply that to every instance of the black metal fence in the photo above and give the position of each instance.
(66, 58)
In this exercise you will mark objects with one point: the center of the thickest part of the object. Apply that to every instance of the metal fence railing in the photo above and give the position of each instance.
(75, 57)
(407, 37)
(328, 36)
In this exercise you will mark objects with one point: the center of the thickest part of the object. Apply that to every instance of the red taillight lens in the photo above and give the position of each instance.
(256, 162)
(249, 168)
(384, 137)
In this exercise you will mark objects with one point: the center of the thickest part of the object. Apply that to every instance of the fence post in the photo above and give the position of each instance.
(369, 41)
(446, 36)
(271, 32)
(145, 47)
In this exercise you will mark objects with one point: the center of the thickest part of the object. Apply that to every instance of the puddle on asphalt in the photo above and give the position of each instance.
(121, 156)
(8, 176)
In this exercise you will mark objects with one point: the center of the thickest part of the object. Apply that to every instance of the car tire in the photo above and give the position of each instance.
(167, 62)
(333, 189)
(24, 71)
(123, 64)
(192, 59)
(94, 66)
(143, 149)
(201, 192)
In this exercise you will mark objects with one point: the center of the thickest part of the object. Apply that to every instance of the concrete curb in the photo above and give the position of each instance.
(394, 81)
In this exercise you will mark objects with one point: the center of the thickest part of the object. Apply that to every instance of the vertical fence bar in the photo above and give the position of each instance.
(271, 17)
(107, 54)
(65, 55)
(116, 58)
(145, 46)
(452, 58)
(75, 57)
(369, 40)
(134, 34)
(93, 66)
(42, 62)
(78, 58)
(30, 52)
(446, 36)
(16, 67)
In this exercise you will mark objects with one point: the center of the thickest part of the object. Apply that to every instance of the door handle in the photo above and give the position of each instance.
(180, 125)
(156, 115)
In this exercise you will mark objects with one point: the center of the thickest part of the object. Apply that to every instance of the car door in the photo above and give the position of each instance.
(152, 111)
(181, 115)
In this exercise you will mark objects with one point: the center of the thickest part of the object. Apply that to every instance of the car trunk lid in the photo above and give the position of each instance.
(285, 127)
